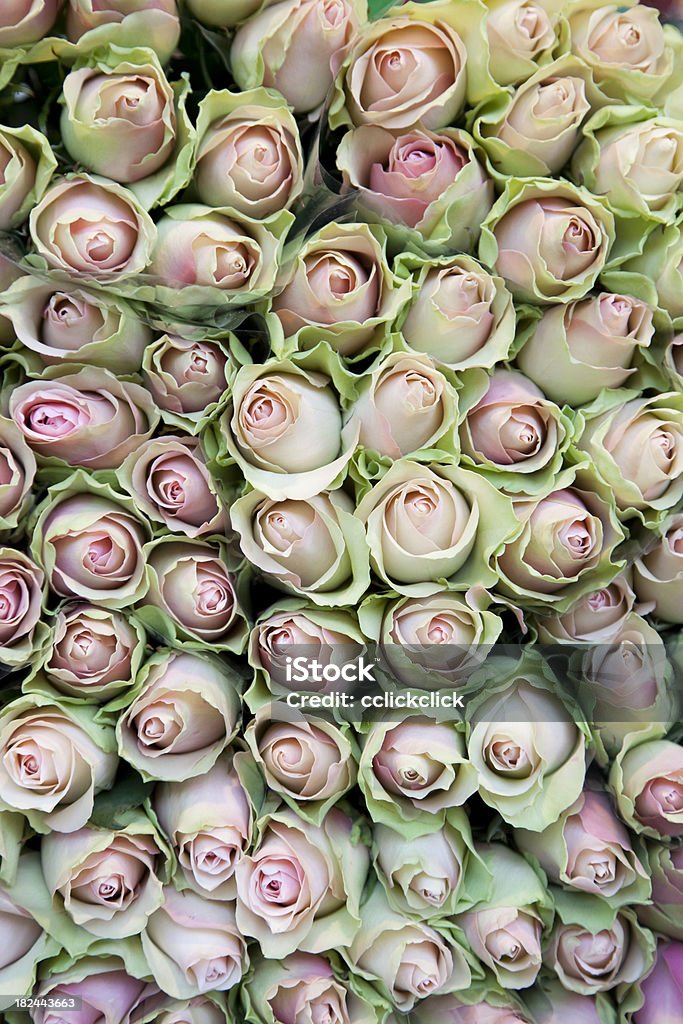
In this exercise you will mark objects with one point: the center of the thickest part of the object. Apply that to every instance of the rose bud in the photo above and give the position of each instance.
(594, 949)
(412, 773)
(427, 524)
(94, 653)
(88, 418)
(193, 945)
(430, 182)
(198, 1010)
(405, 404)
(180, 716)
(527, 750)
(75, 325)
(248, 153)
(308, 760)
(406, 70)
(504, 928)
(209, 822)
(88, 225)
(186, 379)
(662, 990)
(223, 13)
(636, 445)
(589, 849)
(551, 1003)
(125, 23)
(407, 960)
(301, 989)
(647, 779)
(27, 21)
(663, 915)
(339, 288)
(17, 472)
(564, 545)
(522, 35)
(24, 913)
(26, 166)
(284, 429)
(430, 876)
(512, 432)
(597, 617)
(21, 596)
(459, 314)
(626, 49)
(169, 481)
(53, 760)
(274, 45)
(575, 351)
(658, 573)
(194, 592)
(315, 547)
(89, 542)
(100, 986)
(548, 239)
(107, 879)
(301, 884)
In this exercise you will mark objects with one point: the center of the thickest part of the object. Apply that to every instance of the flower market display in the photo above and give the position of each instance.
(341, 512)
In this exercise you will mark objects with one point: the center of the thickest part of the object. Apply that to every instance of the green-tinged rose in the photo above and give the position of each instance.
(665, 864)
(301, 886)
(223, 13)
(548, 239)
(655, 274)
(24, 912)
(17, 472)
(647, 779)
(26, 166)
(187, 378)
(197, 1010)
(179, 717)
(27, 21)
(459, 314)
(314, 547)
(54, 760)
(575, 351)
(658, 572)
(589, 849)
(551, 1003)
(22, 632)
(467, 1007)
(597, 617)
(126, 23)
(434, 526)
(521, 35)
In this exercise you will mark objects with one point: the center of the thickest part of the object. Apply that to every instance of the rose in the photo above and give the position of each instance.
(17, 472)
(191, 585)
(564, 544)
(636, 445)
(169, 481)
(408, 960)
(589, 849)
(626, 49)
(429, 524)
(429, 181)
(638, 162)
(25, 942)
(125, 23)
(88, 225)
(208, 820)
(248, 153)
(655, 273)
(665, 864)
(301, 885)
(314, 547)
(222, 15)
(89, 542)
(339, 288)
(575, 351)
(88, 418)
(75, 325)
(53, 760)
(553, 1003)
(21, 595)
(521, 35)
(26, 166)
(273, 46)
(438, 1008)
(193, 946)
(548, 239)
(658, 573)
(528, 752)
(661, 990)
(27, 21)
(199, 1010)
(596, 617)
(512, 432)
(504, 929)
(459, 314)
(179, 717)
(100, 986)
(647, 779)
(406, 70)
(405, 404)
(302, 989)
(94, 652)
(413, 772)
(186, 378)
(118, 117)
(107, 881)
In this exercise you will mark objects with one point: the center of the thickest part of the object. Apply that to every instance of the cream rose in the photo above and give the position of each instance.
(27, 21)
(186, 378)
(521, 34)
(125, 23)
(658, 573)
(590, 958)
(597, 617)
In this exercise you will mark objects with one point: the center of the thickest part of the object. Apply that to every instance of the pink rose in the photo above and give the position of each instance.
(105, 993)
(658, 573)
(21, 595)
(94, 653)
(662, 990)
(26, 21)
(125, 23)
(186, 378)
(595, 618)
(648, 779)
(17, 472)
